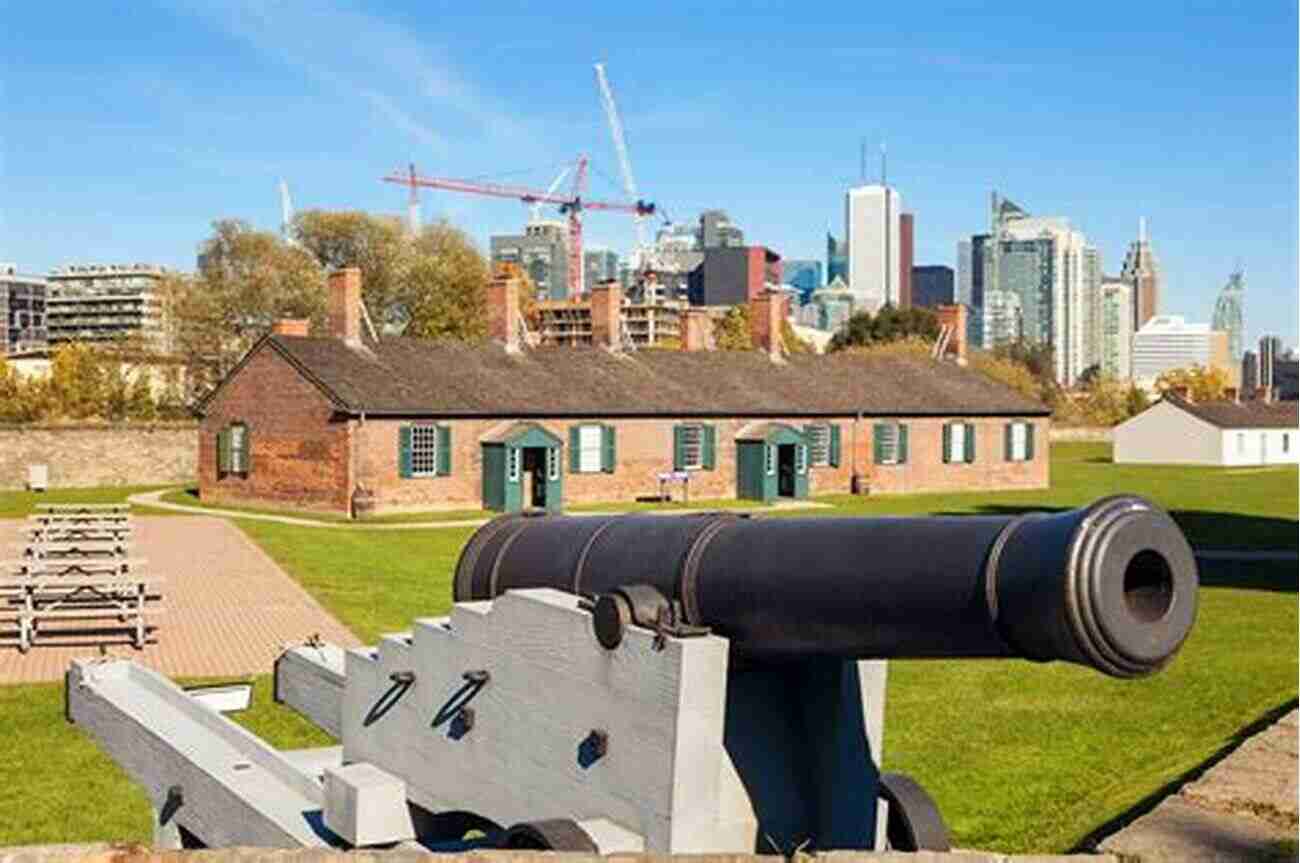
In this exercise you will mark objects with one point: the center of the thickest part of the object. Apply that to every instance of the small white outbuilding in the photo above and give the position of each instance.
(1177, 431)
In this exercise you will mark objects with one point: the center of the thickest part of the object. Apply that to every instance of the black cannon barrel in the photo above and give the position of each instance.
(1111, 586)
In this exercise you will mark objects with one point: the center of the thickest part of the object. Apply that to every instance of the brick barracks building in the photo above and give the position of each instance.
(343, 421)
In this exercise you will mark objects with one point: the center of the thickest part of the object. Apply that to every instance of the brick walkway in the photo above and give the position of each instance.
(229, 609)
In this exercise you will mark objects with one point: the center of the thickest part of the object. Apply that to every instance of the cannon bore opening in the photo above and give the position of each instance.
(1148, 586)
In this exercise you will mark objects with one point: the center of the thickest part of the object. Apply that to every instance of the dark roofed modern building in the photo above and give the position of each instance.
(932, 285)
(321, 421)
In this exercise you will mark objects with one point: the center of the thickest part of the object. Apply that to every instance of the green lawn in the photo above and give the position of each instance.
(20, 504)
(1021, 757)
(1222, 507)
(56, 785)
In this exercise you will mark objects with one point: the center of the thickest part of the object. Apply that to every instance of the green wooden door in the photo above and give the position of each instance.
(750, 483)
(494, 477)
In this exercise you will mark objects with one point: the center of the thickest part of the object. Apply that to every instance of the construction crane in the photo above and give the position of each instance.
(572, 205)
(550, 190)
(286, 212)
(620, 147)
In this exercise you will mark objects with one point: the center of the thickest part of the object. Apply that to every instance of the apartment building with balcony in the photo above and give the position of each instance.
(106, 302)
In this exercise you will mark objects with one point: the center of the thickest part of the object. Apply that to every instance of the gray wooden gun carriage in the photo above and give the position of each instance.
(671, 684)
(74, 566)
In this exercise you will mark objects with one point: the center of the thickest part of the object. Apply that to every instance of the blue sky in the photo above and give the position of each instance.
(126, 128)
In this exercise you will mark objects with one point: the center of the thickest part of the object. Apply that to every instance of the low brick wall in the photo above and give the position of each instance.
(83, 456)
(1081, 434)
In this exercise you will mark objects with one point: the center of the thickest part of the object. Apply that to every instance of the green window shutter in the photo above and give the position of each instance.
(710, 447)
(878, 443)
(679, 449)
(444, 450)
(1006, 442)
(247, 446)
(404, 452)
(835, 446)
(1029, 441)
(970, 443)
(575, 435)
(947, 442)
(902, 443)
(223, 451)
(608, 454)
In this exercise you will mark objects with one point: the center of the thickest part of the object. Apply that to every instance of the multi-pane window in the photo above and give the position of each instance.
(512, 463)
(1241, 444)
(692, 447)
(552, 463)
(1286, 442)
(819, 444)
(957, 442)
(889, 440)
(589, 448)
(769, 459)
(800, 459)
(1019, 442)
(424, 450)
(239, 448)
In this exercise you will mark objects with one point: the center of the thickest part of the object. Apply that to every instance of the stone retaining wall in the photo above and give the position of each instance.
(97, 455)
(141, 854)
(1087, 434)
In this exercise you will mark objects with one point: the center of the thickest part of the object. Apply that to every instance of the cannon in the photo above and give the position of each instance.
(1111, 586)
(677, 684)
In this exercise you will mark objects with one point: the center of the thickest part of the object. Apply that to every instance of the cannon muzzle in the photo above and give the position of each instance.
(1111, 586)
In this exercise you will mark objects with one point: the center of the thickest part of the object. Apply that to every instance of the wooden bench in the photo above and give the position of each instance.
(33, 567)
(75, 549)
(31, 600)
(97, 533)
(83, 518)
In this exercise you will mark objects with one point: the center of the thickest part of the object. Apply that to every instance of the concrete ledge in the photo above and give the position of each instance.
(101, 853)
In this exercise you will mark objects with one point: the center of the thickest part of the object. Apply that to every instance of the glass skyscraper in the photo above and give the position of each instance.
(804, 275)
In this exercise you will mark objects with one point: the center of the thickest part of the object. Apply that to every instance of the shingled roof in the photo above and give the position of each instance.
(418, 377)
(1241, 415)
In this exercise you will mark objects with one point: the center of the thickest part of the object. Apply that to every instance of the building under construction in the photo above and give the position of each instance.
(605, 310)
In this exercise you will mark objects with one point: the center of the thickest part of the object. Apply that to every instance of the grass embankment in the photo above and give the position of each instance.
(1021, 757)
(56, 785)
(1216, 507)
(20, 504)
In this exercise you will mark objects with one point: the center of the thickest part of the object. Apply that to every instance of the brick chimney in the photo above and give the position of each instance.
(607, 315)
(1264, 394)
(697, 331)
(343, 305)
(766, 314)
(954, 317)
(291, 327)
(503, 310)
(1182, 392)
(1232, 394)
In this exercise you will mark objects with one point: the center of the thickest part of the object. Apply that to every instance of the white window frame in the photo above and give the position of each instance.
(819, 445)
(800, 459)
(769, 459)
(424, 450)
(1241, 443)
(1019, 441)
(697, 431)
(552, 463)
(956, 443)
(512, 463)
(591, 446)
(889, 443)
(239, 448)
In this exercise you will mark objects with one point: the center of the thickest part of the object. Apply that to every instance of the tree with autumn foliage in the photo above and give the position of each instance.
(1201, 383)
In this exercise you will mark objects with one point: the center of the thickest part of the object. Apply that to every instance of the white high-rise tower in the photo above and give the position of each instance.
(872, 228)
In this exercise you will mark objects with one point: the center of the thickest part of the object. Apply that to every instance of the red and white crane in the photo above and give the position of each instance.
(573, 205)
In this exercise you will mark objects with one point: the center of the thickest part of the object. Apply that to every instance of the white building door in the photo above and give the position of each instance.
(1263, 447)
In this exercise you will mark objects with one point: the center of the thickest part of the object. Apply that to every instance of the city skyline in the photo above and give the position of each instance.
(176, 145)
